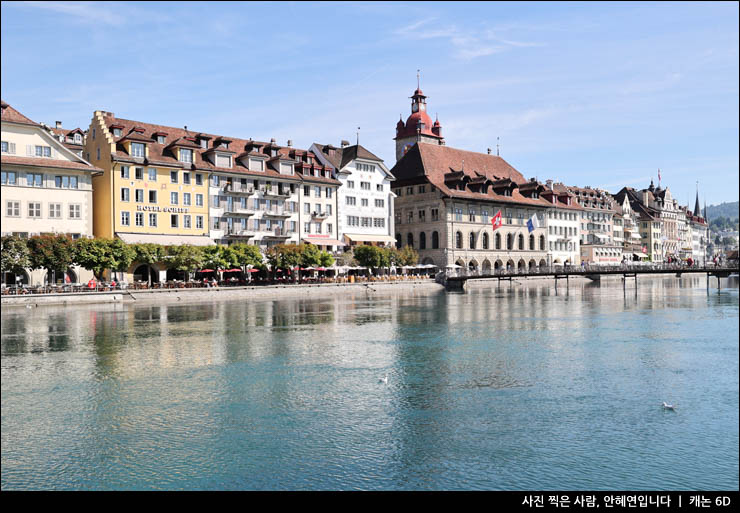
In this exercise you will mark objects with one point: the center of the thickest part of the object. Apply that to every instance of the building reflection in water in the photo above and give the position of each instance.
(278, 372)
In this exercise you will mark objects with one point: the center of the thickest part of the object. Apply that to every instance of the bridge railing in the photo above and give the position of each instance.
(583, 269)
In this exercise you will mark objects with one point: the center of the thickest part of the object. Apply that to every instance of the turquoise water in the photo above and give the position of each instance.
(509, 389)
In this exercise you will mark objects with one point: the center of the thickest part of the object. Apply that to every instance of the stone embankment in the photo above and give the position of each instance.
(216, 293)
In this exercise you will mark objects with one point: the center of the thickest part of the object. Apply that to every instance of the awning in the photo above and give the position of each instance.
(165, 240)
(317, 241)
(640, 255)
(361, 237)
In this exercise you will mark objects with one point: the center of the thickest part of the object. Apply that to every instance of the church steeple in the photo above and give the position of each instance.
(697, 208)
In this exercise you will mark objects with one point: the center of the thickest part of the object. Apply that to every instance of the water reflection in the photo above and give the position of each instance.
(501, 387)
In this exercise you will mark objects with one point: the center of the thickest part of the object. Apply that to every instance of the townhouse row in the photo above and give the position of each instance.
(143, 182)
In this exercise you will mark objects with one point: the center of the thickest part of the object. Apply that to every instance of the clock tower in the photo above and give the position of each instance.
(418, 127)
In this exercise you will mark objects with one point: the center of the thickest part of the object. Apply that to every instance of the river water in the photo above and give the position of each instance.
(515, 388)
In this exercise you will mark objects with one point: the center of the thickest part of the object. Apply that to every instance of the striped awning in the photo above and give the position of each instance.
(361, 237)
(318, 241)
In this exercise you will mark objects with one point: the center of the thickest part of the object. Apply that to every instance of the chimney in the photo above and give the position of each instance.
(290, 143)
(344, 143)
(549, 184)
(59, 124)
(489, 151)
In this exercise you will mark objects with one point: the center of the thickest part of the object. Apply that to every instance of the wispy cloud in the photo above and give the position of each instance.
(467, 43)
(89, 12)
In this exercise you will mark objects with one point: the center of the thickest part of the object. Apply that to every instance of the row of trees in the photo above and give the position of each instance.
(57, 253)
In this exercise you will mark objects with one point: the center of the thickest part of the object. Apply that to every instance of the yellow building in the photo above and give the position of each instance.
(150, 190)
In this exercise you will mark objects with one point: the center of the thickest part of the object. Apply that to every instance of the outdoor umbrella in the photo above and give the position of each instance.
(205, 271)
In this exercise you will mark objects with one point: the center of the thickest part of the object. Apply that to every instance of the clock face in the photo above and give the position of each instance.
(414, 107)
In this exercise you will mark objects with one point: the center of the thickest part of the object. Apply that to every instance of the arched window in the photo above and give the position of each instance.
(472, 240)
(498, 241)
(542, 242)
(398, 241)
(485, 241)
(423, 240)
(458, 240)
(509, 241)
(521, 241)
(435, 240)
(531, 242)
(410, 239)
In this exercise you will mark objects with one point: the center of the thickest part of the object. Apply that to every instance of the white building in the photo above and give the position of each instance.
(364, 198)
(46, 188)
(563, 226)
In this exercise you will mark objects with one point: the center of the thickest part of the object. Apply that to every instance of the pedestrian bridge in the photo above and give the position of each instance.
(456, 280)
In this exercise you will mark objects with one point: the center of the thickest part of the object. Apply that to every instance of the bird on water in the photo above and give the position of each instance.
(667, 406)
(384, 380)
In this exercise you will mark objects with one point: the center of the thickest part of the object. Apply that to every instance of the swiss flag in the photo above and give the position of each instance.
(496, 220)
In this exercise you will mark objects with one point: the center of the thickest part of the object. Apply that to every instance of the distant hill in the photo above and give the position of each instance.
(728, 210)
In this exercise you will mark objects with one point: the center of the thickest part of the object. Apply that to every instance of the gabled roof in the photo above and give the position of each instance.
(340, 157)
(163, 154)
(10, 115)
(446, 167)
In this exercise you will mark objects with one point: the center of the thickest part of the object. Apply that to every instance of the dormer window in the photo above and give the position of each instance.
(116, 132)
(256, 165)
(78, 138)
(223, 160)
(161, 139)
(186, 155)
(137, 150)
(273, 152)
(286, 168)
(204, 143)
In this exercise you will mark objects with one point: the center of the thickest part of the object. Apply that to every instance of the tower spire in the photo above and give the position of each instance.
(697, 208)
(418, 79)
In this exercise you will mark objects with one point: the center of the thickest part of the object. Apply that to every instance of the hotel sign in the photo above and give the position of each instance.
(162, 209)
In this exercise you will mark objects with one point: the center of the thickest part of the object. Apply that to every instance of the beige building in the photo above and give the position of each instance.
(46, 188)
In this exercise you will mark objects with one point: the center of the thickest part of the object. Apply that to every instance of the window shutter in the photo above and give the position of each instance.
(11, 148)
(29, 150)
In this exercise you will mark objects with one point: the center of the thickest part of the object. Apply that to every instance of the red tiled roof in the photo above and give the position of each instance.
(45, 162)
(163, 154)
(431, 162)
(11, 115)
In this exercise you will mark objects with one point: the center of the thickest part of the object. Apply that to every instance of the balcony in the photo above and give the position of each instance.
(277, 212)
(319, 215)
(238, 188)
(238, 210)
(275, 192)
(279, 233)
(238, 232)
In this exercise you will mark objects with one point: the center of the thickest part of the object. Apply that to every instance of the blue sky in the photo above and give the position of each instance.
(598, 94)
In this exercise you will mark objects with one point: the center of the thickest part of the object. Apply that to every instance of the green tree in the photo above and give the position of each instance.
(14, 254)
(185, 258)
(310, 255)
(95, 255)
(247, 255)
(371, 257)
(283, 256)
(149, 254)
(408, 256)
(325, 259)
(219, 257)
(123, 255)
(55, 253)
